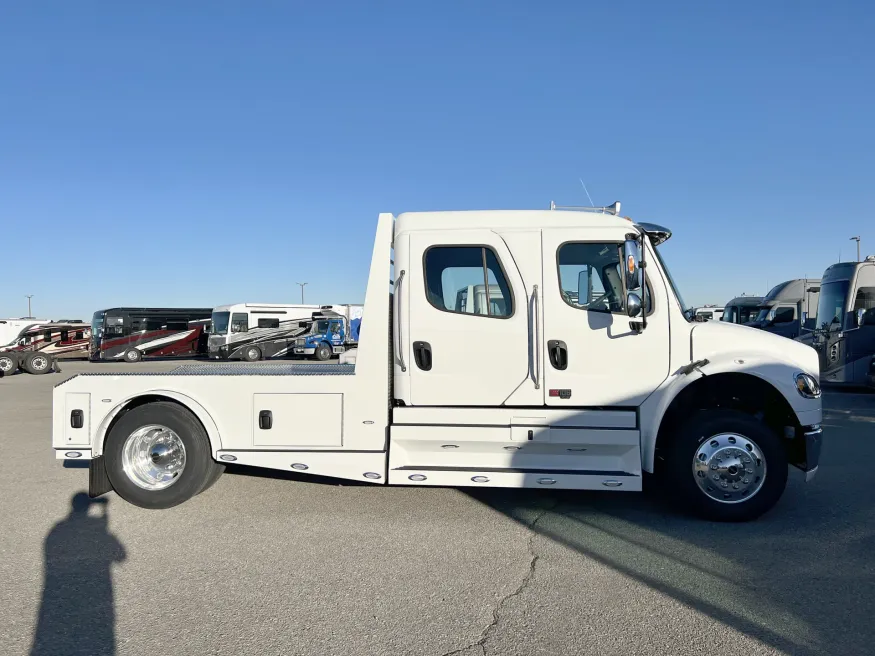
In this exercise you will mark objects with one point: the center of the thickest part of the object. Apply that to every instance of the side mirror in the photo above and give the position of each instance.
(859, 316)
(632, 264)
(633, 304)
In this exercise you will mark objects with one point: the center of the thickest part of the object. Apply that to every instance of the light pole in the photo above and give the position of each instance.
(29, 296)
(302, 284)
(856, 239)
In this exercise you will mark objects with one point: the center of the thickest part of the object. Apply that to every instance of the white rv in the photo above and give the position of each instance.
(554, 388)
(255, 331)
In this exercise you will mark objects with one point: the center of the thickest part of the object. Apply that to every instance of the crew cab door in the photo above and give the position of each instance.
(591, 355)
(469, 319)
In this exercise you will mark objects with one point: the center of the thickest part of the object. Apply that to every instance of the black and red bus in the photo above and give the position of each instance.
(129, 334)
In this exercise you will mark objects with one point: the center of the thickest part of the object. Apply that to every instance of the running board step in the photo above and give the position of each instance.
(511, 477)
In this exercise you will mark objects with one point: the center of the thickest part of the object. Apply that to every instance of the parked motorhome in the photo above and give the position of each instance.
(254, 331)
(789, 308)
(742, 309)
(131, 334)
(845, 326)
(541, 392)
(37, 346)
(12, 329)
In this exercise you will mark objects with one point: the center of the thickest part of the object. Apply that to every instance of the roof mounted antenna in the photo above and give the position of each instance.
(613, 208)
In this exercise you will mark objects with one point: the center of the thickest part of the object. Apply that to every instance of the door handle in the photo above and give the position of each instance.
(422, 355)
(265, 419)
(558, 354)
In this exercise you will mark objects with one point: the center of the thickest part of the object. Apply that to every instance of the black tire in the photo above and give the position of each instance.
(8, 363)
(215, 472)
(323, 352)
(682, 483)
(252, 354)
(198, 460)
(133, 355)
(37, 363)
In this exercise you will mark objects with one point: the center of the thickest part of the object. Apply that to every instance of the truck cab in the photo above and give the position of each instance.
(844, 336)
(742, 309)
(579, 368)
(789, 308)
(325, 337)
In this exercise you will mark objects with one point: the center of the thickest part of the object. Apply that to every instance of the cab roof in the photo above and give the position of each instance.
(513, 219)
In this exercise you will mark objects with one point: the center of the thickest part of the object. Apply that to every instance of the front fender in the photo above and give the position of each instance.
(193, 406)
(778, 374)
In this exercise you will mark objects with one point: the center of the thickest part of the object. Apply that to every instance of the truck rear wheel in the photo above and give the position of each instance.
(8, 363)
(252, 354)
(726, 466)
(37, 363)
(323, 352)
(158, 455)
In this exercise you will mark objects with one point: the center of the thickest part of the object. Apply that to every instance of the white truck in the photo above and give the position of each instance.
(555, 387)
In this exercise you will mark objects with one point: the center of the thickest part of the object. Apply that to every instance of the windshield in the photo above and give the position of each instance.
(321, 327)
(831, 308)
(764, 314)
(220, 322)
(97, 325)
(677, 292)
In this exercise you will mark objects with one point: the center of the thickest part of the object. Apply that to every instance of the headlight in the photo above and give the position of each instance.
(807, 386)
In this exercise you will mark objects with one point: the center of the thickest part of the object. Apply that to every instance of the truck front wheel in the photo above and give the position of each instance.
(8, 363)
(158, 455)
(323, 352)
(726, 466)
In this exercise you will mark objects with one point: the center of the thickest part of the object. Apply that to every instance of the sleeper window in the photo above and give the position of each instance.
(467, 280)
(268, 323)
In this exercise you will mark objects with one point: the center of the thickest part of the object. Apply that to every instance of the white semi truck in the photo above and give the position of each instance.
(587, 375)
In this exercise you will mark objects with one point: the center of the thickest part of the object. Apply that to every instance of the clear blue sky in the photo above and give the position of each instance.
(199, 153)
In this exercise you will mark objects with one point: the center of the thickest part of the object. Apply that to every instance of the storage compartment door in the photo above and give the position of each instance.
(297, 420)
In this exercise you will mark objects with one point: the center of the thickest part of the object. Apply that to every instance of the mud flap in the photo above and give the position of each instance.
(98, 481)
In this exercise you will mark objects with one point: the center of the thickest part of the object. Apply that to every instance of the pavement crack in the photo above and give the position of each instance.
(524, 583)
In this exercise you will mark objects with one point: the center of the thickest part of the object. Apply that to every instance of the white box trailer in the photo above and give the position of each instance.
(568, 382)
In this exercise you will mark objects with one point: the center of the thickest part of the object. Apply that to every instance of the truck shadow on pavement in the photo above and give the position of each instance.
(800, 579)
(77, 613)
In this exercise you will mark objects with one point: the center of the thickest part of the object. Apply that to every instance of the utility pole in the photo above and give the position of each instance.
(302, 284)
(856, 239)
(29, 296)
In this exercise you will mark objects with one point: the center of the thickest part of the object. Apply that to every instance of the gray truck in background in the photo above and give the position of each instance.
(789, 308)
(742, 309)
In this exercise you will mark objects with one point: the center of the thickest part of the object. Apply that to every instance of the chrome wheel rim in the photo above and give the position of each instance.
(132, 356)
(5, 364)
(39, 362)
(153, 457)
(729, 468)
(253, 354)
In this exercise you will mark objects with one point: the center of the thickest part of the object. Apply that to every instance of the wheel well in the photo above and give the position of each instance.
(144, 400)
(734, 391)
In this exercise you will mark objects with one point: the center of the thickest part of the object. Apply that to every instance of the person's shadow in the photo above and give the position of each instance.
(77, 614)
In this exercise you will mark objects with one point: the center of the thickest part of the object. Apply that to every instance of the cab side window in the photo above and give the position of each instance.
(467, 280)
(239, 322)
(590, 277)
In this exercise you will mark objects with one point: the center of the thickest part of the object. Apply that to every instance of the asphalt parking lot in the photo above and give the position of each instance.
(266, 563)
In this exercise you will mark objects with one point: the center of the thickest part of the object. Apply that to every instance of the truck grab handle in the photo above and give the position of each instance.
(398, 322)
(536, 345)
